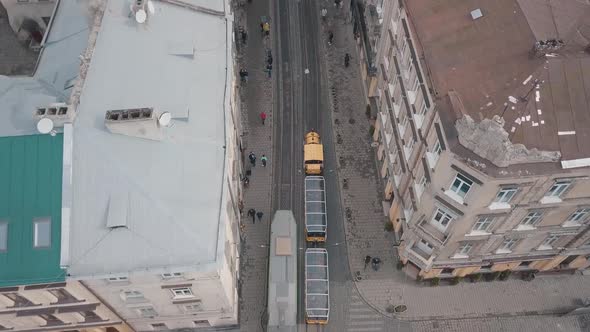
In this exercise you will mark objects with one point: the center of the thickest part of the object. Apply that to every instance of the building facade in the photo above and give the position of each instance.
(463, 198)
(132, 221)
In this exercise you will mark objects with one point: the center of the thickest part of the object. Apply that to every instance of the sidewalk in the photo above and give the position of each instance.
(364, 223)
(255, 96)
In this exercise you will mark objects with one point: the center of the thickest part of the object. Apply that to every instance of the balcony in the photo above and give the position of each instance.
(418, 257)
(432, 231)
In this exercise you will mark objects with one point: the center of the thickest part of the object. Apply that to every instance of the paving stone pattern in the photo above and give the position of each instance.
(256, 96)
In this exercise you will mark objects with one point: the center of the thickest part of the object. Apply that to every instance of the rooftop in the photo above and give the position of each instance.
(167, 193)
(57, 69)
(30, 191)
(490, 67)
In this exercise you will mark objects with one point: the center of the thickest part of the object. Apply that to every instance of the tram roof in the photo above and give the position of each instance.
(317, 284)
(315, 204)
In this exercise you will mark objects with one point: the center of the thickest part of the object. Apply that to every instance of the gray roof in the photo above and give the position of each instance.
(170, 191)
(282, 277)
(58, 64)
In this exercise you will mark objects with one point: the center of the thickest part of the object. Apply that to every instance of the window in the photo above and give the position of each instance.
(461, 185)
(19, 301)
(132, 295)
(464, 249)
(415, 83)
(182, 292)
(90, 316)
(505, 195)
(423, 110)
(578, 217)
(436, 148)
(483, 224)
(410, 144)
(42, 232)
(201, 323)
(51, 319)
(425, 247)
(3, 236)
(558, 188)
(118, 279)
(441, 219)
(548, 242)
(532, 218)
(63, 296)
(193, 307)
(159, 326)
(171, 275)
(147, 312)
(508, 245)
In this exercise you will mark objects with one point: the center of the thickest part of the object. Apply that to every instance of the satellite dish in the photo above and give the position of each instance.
(45, 126)
(164, 119)
(140, 16)
(151, 8)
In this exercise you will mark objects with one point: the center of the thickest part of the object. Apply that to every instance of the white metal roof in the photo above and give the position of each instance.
(317, 284)
(168, 191)
(282, 277)
(315, 204)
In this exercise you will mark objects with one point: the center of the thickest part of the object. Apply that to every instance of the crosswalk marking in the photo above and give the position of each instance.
(367, 322)
(361, 316)
(364, 329)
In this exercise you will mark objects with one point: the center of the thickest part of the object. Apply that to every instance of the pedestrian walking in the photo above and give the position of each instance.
(263, 117)
(263, 159)
(346, 60)
(269, 70)
(367, 261)
(259, 214)
(330, 37)
(244, 75)
(269, 59)
(324, 12)
(252, 158)
(244, 37)
(252, 213)
(266, 28)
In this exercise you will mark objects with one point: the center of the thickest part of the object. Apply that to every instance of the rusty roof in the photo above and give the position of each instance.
(491, 64)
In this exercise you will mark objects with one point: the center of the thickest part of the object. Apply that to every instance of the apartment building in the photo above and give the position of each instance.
(130, 134)
(152, 191)
(482, 124)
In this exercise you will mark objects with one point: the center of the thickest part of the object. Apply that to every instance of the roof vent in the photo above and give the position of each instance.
(475, 14)
(58, 113)
(140, 10)
(135, 122)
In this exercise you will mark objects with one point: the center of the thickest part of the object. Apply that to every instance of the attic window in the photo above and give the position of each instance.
(41, 111)
(135, 114)
(52, 111)
(113, 116)
(117, 213)
(62, 111)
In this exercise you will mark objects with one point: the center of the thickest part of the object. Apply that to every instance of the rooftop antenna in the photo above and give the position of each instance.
(165, 119)
(45, 126)
(138, 11)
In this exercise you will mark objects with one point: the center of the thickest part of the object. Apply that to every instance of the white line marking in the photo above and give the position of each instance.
(563, 133)
(527, 80)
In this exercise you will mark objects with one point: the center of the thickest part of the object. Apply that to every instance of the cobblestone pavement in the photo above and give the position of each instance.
(15, 58)
(364, 227)
(520, 324)
(256, 96)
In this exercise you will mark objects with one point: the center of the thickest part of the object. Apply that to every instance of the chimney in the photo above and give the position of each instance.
(59, 113)
(136, 122)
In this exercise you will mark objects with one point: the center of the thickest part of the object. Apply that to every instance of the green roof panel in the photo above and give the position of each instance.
(30, 190)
